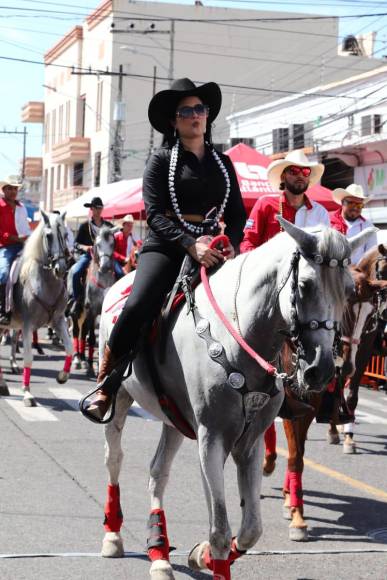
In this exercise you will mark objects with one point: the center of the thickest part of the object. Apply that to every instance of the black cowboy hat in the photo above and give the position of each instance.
(95, 202)
(162, 107)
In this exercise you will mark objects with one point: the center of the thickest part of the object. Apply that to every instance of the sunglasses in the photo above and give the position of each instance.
(357, 204)
(296, 170)
(189, 112)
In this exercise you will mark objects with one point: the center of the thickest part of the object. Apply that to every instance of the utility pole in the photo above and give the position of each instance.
(118, 118)
(152, 131)
(24, 133)
(171, 51)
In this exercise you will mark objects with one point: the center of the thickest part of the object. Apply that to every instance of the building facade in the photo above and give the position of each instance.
(341, 124)
(100, 77)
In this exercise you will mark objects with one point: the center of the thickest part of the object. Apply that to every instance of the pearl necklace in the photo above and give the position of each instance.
(172, 192)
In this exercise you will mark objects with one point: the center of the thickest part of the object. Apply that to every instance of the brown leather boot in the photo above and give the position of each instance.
(101, 403)
(293, 408)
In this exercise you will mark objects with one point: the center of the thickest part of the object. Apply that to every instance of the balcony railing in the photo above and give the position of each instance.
(33, 112)
(71, 150)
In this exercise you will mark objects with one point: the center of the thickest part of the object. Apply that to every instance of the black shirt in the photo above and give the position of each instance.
(85, 234)
(199, 186)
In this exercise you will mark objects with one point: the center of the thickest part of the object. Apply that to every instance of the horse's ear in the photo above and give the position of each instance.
(45, 217)
(115, 229)
(361, 238)
(63, 216)
(382, 249)
(304, 240)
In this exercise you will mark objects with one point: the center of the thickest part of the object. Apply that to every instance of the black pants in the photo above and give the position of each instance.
(155, 276)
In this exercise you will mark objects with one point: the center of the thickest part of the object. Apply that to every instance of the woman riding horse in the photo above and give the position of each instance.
(183, 181)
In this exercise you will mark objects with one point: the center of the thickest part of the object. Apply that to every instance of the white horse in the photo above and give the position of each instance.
(39, 295)
(280, 285)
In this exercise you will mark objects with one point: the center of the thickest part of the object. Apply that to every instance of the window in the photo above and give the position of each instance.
(280, 140)
(97, 169)
(82, 112)
(47, 132)
(371, 124)
(53, 127)
(60, 124)
(58, 177)
(67, 126)
(98, 119)
(245, 140)
(78, 174)
(298, 136)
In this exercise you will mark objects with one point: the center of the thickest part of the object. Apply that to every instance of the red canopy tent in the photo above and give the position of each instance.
(250, 167)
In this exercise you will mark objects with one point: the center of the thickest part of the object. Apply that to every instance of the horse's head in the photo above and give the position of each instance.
(313, 302)
(104, 248)
(54, 240)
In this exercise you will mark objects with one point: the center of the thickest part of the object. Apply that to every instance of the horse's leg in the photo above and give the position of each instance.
(158, 543)
(112, 546)
(296, 432)
(4, 392)
(215, 553)
(61, 328)
(333, 436)
(270, 450)
(12, 359)
(91, 346)
(28, 399)
(76, 332)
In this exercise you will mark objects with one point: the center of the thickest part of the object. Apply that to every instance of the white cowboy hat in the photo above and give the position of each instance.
(296, 157)
(128, 218)
(352, 190)
(12, 180)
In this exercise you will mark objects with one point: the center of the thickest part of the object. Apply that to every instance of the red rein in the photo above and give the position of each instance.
(223, 241)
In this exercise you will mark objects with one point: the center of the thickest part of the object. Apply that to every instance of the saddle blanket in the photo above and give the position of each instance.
(116, 296)
(12, 279)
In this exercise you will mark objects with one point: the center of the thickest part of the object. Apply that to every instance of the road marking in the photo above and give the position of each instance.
(31, 414)
(364, 417)
(372, 405)
(355, 483)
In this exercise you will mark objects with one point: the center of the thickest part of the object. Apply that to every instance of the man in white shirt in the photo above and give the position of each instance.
(348, 219)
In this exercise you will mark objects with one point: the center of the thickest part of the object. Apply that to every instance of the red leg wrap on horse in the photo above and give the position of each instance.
(221, 570)
(113, 514)
(67, 363)
(26, 376)
(286, 487)
(331, 386)
(91, 353)
(234, 552)
(295, 478)
(270, 440)
(76, 344)
(82, 346)
(158, 542)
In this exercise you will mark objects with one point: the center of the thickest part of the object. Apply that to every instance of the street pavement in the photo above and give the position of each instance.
(53, 484)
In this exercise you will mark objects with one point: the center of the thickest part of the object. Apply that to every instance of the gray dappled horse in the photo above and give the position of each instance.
(99, 278)
(39, 295)
(255, 291)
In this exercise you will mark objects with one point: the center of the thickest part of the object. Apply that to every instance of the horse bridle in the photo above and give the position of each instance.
(378, 298)
(296, 327)
(53, 258)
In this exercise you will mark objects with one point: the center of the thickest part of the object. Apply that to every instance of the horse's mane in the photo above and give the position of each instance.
(32, 252)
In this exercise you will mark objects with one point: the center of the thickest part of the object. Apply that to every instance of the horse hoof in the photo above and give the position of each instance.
(268, 466)
(298, 534)
(112, 546)
(286, 513)
(349, 447)
(161, 570)
(333, 438)
(62, 377)
(195, 557)
(90, 372)
(29, 401)
(4, 391)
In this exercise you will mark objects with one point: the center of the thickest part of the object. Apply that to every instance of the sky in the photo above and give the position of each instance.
(28, 28)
